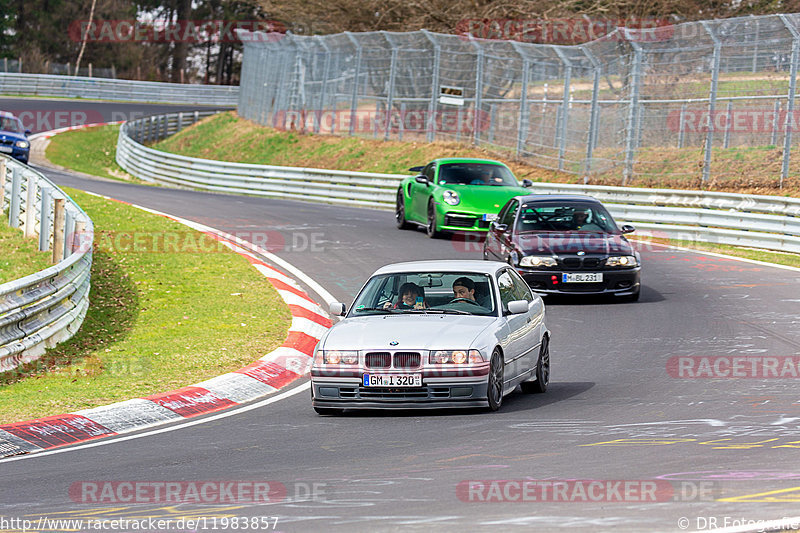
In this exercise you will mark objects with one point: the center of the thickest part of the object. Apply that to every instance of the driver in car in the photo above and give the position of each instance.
(464, 288)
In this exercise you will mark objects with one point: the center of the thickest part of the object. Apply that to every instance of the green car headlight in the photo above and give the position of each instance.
(538, 261)
(451, 198)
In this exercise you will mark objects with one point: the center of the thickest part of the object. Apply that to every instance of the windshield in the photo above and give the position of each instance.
(565, 216)
(10, 124)
(432, 293)
(476, 174)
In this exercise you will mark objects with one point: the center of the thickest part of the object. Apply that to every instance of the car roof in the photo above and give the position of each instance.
(558, 198)
(7, 114)
(443, 265)
(467, 160)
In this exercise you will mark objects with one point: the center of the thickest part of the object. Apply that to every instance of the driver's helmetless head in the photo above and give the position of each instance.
(464, 287)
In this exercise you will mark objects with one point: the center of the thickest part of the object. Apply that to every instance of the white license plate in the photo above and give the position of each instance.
(6, 149)
(582, 277)
(490, 217)
(392, 380)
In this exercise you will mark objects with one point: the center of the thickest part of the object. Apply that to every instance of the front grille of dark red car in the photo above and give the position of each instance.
(378, 360)
(406, 360)
(578, 263)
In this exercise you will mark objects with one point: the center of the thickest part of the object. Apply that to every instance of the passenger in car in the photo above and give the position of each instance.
(411, 296)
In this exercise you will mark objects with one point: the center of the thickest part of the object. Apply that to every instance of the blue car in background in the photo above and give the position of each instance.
(14, 137)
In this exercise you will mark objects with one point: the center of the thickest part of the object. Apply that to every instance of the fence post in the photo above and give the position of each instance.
(712, 101)
(354, 97)
(593, 112)
(787, 139)
(69, 232)
(325, 74)
(476, 120)
(180, 121)
(492, 117)
(562, 125)
(401, 121)
(776, 113)
(16, 191)
(755, 47)
(30, 207)
(633, 103)
(522, 126)
(2, 183)
(430, 127)
(726, 143)
(44, 220)
(392, 78)
(58, 230)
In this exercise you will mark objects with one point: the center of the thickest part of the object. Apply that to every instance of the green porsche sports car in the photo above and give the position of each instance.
(456, 194)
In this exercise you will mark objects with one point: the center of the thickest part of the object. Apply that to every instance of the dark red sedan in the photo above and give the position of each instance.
(566, 244)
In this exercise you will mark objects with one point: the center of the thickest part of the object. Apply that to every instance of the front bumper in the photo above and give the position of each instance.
(344, 394)
(621, 282)
(455, 220)
(20, 154)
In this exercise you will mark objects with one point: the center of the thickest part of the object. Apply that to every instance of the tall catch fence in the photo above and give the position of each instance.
(697, 100)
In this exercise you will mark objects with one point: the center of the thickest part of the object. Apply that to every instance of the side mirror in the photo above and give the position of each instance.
(337, 308)
(527, 183)
(502, 228)
(627, 228)
(415, 169)
(422, 179)
(27, 132)
(517, 307)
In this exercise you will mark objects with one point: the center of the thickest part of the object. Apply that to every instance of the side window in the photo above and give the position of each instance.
(506, 285)
(510, 214)
(521, 289)
(428, 171)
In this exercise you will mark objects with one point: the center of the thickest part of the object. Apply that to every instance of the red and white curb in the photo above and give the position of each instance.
(270, 373)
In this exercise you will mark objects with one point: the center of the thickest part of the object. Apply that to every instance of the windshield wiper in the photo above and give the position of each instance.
(389, 311)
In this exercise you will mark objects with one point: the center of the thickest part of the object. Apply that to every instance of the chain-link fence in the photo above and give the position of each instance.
(696, 100)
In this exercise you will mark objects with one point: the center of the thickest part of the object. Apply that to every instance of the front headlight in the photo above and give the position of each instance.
(339, 357)
(456, 357)
(451, 198)
(538, 261)
(23, 144)
(622, 261)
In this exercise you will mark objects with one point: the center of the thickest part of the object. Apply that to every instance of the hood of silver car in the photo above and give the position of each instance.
(406, 332)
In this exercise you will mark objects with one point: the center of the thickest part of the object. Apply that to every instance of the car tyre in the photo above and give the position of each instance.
(400, 212)
(494, 391)
(430, 228)
(542, 371)
(331, 411)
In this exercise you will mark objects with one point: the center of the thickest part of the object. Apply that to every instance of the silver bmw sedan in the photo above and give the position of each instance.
(433, 334)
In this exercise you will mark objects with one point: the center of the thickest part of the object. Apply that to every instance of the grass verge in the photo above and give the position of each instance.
(19, 256)
(161, 317)
(88, 150)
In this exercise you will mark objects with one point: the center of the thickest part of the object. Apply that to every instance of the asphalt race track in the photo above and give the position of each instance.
(666, 451)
